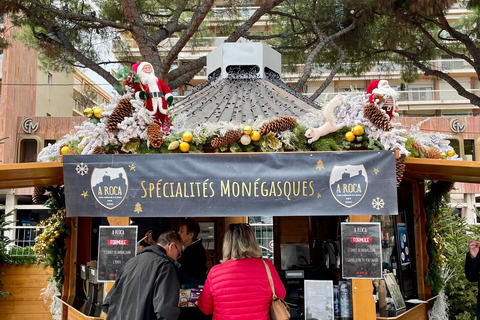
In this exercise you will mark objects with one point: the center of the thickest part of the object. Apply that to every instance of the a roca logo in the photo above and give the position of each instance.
(456, 127)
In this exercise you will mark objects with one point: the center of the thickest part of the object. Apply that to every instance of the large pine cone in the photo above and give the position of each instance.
(432, 153)
(417, 146)
(379, 120)
(155, 135)
(121, 111)
(230, 136)
(38, 193)
(98, 150)
(400, 168)
(278, 125)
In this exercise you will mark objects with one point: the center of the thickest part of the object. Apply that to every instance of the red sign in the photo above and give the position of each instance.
(117, 242)
(361, 240)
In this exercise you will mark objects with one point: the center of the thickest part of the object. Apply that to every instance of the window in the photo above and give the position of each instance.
(49, 78)
(469, 147)
(263, 228)
(455, 144)
(420, 93)
(28, 150)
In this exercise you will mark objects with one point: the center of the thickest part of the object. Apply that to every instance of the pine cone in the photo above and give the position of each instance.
(121, 111)
(230, 136)
(377, 118)
(400, 168)
(155, 135)
(98, 150)
(417, 146)
(432, 153)
(446, 186)
(278, 125)
(38, 193)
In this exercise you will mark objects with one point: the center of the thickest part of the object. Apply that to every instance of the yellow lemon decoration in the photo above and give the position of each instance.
(98, 112)
(187, 136)
(349, 136)
(358, 130)
(255, 135)
(184, 146)
(247, 130)
(65, 150)
(451, 153)
(88, 112)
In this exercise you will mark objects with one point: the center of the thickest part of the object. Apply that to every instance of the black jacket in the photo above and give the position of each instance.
(146, 288)
(472, 272)
(194, 261)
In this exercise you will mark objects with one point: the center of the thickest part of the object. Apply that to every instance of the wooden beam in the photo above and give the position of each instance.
(26, 175)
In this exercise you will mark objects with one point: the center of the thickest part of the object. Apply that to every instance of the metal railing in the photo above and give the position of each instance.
(23, 239)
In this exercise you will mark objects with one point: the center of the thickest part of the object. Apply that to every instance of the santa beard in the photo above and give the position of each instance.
(149, 79)
(386, 91)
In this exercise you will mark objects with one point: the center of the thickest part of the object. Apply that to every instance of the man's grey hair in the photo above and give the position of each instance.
(168, 237)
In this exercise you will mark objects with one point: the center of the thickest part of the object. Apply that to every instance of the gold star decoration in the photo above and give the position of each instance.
(319, 195)
(376, 171)
(319, 165)
(85, 194)
(132, 167)
(138, 208)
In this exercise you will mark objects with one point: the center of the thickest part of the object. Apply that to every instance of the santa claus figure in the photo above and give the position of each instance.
(154, 92)
(385, 97)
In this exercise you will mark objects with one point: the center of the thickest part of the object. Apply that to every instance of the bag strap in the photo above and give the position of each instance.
(270, 279)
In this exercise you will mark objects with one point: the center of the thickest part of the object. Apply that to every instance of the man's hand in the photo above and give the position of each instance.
(143, 95)
(169, 101)
(473, 247)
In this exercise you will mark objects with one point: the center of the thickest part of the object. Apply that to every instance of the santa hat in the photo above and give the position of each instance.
(372, 86)
(139, 66)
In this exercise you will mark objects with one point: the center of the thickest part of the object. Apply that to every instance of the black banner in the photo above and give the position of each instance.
(115, 246)
(361, 250)
(236, 184)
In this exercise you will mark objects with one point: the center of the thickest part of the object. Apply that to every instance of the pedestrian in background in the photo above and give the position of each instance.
(239, 288)
(472, 267)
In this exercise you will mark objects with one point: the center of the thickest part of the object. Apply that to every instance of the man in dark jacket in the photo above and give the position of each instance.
(472, 267)
(194, 260)
(147, 287)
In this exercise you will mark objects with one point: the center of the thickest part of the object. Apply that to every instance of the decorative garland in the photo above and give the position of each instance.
(434, 206)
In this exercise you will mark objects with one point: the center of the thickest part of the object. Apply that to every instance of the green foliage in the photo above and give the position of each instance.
(436, 204)
(50, 245)
(455, 233)
(22, 255)
(4, 241)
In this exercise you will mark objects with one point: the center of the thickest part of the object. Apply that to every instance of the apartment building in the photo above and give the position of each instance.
(36, 108)
(427, 98)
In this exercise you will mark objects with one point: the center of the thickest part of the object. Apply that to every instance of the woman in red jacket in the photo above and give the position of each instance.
(238, 288)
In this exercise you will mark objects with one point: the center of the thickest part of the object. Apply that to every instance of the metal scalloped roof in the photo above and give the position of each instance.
(241, 98)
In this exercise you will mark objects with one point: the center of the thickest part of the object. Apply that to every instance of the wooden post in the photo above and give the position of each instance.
(362, 289)
(70, 265)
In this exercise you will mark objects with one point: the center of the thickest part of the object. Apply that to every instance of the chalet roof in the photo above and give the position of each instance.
(242, 97)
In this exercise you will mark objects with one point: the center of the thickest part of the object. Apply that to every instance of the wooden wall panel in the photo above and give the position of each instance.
(25, 282)
(293, 230)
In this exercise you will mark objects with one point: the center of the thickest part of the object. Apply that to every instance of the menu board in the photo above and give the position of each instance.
(116, 244)
(319, 300)
(394, 290)
(361, 250)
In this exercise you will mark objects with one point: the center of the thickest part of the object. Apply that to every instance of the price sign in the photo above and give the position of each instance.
(361, 250)
(115, 246)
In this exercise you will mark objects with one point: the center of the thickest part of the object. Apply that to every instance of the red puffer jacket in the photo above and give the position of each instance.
(239, 289)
